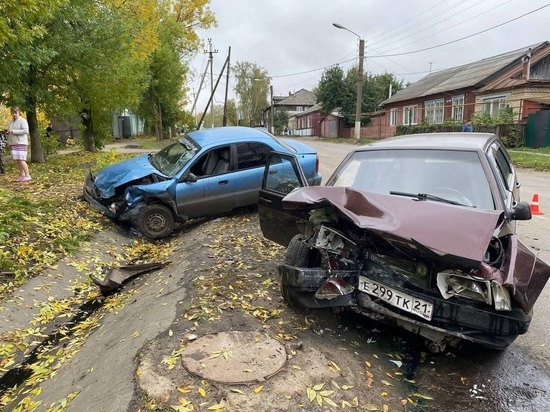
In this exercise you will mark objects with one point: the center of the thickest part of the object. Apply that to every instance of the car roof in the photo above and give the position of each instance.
(448, 141)
(228, 134)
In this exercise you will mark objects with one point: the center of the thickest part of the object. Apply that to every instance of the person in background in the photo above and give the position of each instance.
(3, 145)
(468, 127)
(18, 132)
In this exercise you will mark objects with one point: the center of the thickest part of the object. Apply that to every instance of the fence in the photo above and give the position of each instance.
(512, 135)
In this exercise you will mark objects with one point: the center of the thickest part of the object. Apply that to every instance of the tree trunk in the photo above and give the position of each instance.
(37, 153)
(89, 140)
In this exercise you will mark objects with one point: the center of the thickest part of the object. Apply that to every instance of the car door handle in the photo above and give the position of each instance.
(223, 182)
(263, 200)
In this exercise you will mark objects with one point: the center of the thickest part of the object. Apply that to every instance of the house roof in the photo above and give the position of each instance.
(302, 97)
(473, 74)
(514, 76)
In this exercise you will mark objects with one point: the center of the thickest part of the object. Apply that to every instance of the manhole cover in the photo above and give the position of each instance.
(234, 357)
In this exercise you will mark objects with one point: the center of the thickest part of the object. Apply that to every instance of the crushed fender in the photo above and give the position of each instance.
(115, 277)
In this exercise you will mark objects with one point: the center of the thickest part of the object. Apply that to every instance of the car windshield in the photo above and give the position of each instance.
(449, 175)
(174, 157)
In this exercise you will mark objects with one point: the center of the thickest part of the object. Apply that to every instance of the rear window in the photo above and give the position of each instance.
(454, 175)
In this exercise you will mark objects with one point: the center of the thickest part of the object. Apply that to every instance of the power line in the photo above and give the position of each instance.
(465, 37)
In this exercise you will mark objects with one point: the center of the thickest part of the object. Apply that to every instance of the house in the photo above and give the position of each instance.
(312, 122)
(293, 104)
(519, 79)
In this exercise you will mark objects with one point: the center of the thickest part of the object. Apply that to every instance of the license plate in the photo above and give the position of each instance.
(395, 298)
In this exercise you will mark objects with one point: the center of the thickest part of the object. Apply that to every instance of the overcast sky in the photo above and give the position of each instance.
(295, 41)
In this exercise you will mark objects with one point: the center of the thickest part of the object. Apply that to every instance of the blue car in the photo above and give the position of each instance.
(203, 173)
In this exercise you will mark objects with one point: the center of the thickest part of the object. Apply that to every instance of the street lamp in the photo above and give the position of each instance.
(359, 81)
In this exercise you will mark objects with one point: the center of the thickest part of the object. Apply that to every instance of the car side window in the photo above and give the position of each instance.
(504, 166)
(281, 176)
(214, 162)
(251, 155)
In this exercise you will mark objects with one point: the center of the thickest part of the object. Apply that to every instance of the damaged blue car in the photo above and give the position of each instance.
(203, 173)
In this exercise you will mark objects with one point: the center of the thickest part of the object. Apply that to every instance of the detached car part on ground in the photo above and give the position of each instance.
(416, 231)
(203, 173)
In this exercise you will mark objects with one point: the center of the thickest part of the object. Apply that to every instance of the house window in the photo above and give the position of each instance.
(410, 115)
(299, 108)
(393, 117)
(434, 111)
(457, 113)
(493, 105)
(309, 121)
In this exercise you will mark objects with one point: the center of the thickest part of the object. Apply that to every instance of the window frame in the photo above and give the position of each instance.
(409, 120)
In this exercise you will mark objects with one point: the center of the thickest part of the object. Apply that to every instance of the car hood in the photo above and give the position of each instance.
(455, 236)
(122, 173)
(449, 231)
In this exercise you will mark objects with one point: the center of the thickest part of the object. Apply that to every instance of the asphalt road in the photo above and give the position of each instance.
(535, 233)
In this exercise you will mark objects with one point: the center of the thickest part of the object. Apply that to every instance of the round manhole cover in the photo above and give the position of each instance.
(234, 357)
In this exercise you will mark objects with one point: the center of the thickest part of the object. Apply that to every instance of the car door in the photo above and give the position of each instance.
(282, 175)
(214, 189)
(251, 158)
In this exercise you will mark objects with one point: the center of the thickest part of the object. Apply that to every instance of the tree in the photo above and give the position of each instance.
(164, 97)
(252, 89)
(280, 119)
(338, 91)
(332, 89)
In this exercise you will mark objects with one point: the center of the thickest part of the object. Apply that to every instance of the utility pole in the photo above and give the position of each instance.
(211, 60)
(226, 88)
(272, 126)
(358, 105)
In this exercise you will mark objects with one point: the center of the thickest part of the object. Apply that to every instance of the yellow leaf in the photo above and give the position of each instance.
(371, 408)
(237, 391)
(335, 384)
(296, 367)
(330, 401)
(418, 395)
(386, 408)
(387, 383)
(346, 387)
(367, 363)
(384, 394)
(319, 400)
(336, 366)
(202, 392)
(217, 407)
(170, 333)
(375, 355)
(319, 386)
(258, 389)
(311, 394)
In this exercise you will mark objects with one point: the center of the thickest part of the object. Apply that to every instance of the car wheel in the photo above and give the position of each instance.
(155, 221)
(297, 254)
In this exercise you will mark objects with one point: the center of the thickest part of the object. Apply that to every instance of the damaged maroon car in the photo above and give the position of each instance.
(416, 231)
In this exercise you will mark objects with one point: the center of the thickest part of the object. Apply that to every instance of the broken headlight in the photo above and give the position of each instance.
(452, 283)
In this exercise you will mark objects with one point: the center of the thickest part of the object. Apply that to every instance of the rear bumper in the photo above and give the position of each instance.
(466, 319)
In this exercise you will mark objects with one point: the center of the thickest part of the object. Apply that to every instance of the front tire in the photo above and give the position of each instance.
(155, 221)
(300, 255)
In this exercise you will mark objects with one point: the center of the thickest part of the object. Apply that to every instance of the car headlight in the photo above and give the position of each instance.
(453, 284)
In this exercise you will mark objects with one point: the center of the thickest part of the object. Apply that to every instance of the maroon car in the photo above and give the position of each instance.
(417, 231)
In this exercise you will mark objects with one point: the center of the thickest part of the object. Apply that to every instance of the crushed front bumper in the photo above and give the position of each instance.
(90, 196)
(470, 320)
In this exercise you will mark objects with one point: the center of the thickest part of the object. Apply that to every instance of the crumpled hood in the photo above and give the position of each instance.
(121, 173)
(438, 229)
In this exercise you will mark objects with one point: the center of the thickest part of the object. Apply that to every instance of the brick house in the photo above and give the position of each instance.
(312, 122)
(457, 93)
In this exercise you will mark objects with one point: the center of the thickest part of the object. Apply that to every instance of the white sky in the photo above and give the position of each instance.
(294, 40)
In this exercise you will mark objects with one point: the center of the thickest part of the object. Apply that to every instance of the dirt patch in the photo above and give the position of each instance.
(234, 286)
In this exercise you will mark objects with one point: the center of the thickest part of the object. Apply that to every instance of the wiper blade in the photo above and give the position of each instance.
(427, 196)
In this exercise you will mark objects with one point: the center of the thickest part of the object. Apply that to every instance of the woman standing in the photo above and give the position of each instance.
(18, 131)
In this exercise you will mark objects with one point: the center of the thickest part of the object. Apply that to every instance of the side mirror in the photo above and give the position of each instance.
(522, 211)
(191, 178)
